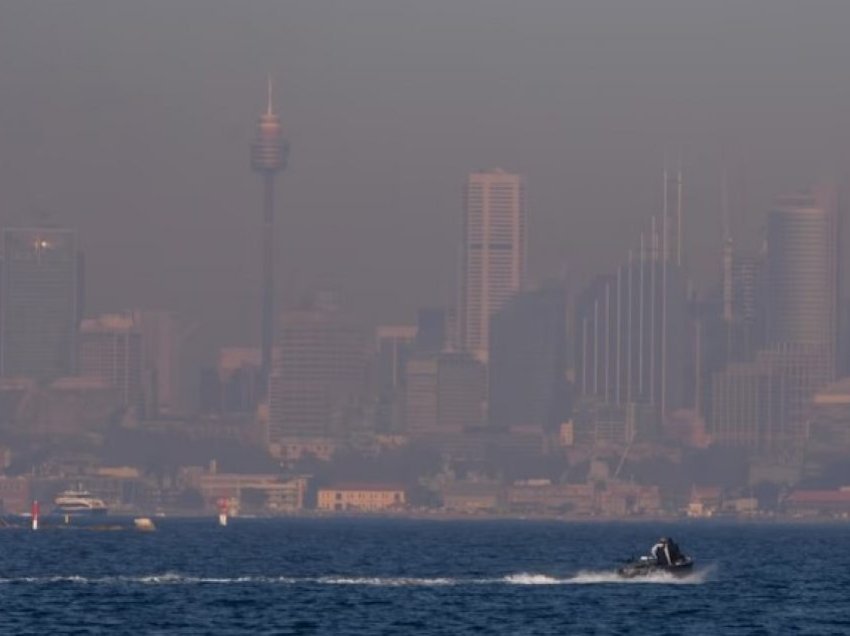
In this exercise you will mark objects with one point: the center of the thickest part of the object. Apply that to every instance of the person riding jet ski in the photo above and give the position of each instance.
(666, 552)
(665, 557)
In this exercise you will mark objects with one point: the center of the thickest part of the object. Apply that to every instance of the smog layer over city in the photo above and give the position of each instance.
(352, 317)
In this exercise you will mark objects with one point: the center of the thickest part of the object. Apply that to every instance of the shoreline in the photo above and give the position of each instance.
(21, 521)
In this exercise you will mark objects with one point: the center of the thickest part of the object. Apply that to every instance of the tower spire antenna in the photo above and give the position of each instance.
(270, 105)
(724, 203)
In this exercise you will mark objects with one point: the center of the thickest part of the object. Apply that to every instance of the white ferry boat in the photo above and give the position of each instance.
(78, 502)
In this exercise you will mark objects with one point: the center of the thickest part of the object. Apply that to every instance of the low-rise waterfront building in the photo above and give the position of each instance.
(806, 503)
(550, 498)
(291, 449)
(705, 501)
(263, 492)
(609, 498)
(14, 495)
(829, 425)
(361, 497)
(470, 497)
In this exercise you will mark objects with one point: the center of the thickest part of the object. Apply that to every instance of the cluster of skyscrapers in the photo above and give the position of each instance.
(635, 355)
(739, 365)
(46, 343)
(650, 356)
(762, 398)
(494, 360)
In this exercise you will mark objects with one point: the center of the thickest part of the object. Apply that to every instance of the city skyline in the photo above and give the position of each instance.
(643, 349)
(638, 360)
(397, 165)
(531, 270)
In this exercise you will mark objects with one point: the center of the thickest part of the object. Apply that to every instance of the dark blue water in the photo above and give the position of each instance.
(307, 576)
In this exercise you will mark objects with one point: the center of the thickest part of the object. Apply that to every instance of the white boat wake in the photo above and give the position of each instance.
(591, 577)
(583, 577)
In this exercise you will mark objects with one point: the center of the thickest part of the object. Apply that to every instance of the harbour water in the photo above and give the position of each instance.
(389, 576)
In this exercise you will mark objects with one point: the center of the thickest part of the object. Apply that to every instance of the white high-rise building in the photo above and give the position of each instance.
(801, 249)
(493, 258)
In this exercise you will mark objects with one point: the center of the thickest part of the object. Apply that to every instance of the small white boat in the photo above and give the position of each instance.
(144, 524)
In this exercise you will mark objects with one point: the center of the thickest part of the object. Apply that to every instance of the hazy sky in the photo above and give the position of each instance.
(131, 121)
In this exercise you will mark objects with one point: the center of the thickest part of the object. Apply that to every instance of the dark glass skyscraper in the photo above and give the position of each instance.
(431, 329)
(319, 373)
(39, 302)
(528, 360)
(445, 393)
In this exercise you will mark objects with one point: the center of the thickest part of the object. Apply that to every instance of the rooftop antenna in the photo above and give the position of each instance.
(727, 250)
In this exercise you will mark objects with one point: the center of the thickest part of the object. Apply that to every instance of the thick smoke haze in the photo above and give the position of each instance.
(131, 121)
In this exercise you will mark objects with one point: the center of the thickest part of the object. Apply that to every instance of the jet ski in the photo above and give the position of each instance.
(646, 565)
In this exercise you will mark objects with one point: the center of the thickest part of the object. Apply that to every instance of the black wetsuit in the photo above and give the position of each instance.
(675, 552)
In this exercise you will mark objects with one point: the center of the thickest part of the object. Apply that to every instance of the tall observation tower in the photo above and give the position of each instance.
(268, 157)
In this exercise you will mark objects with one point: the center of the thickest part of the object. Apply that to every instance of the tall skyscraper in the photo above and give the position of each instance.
(110, 348)
(319, 376)
(394, 344)
(233, 386)
(672, 220)
(269, 154)
(802, 275)
(493, 258)
(163, 337)
(747, 295)
(764, 405)
(431, 329)
(40, 302)
(445, 393)
(527, 375)
(749, 406)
